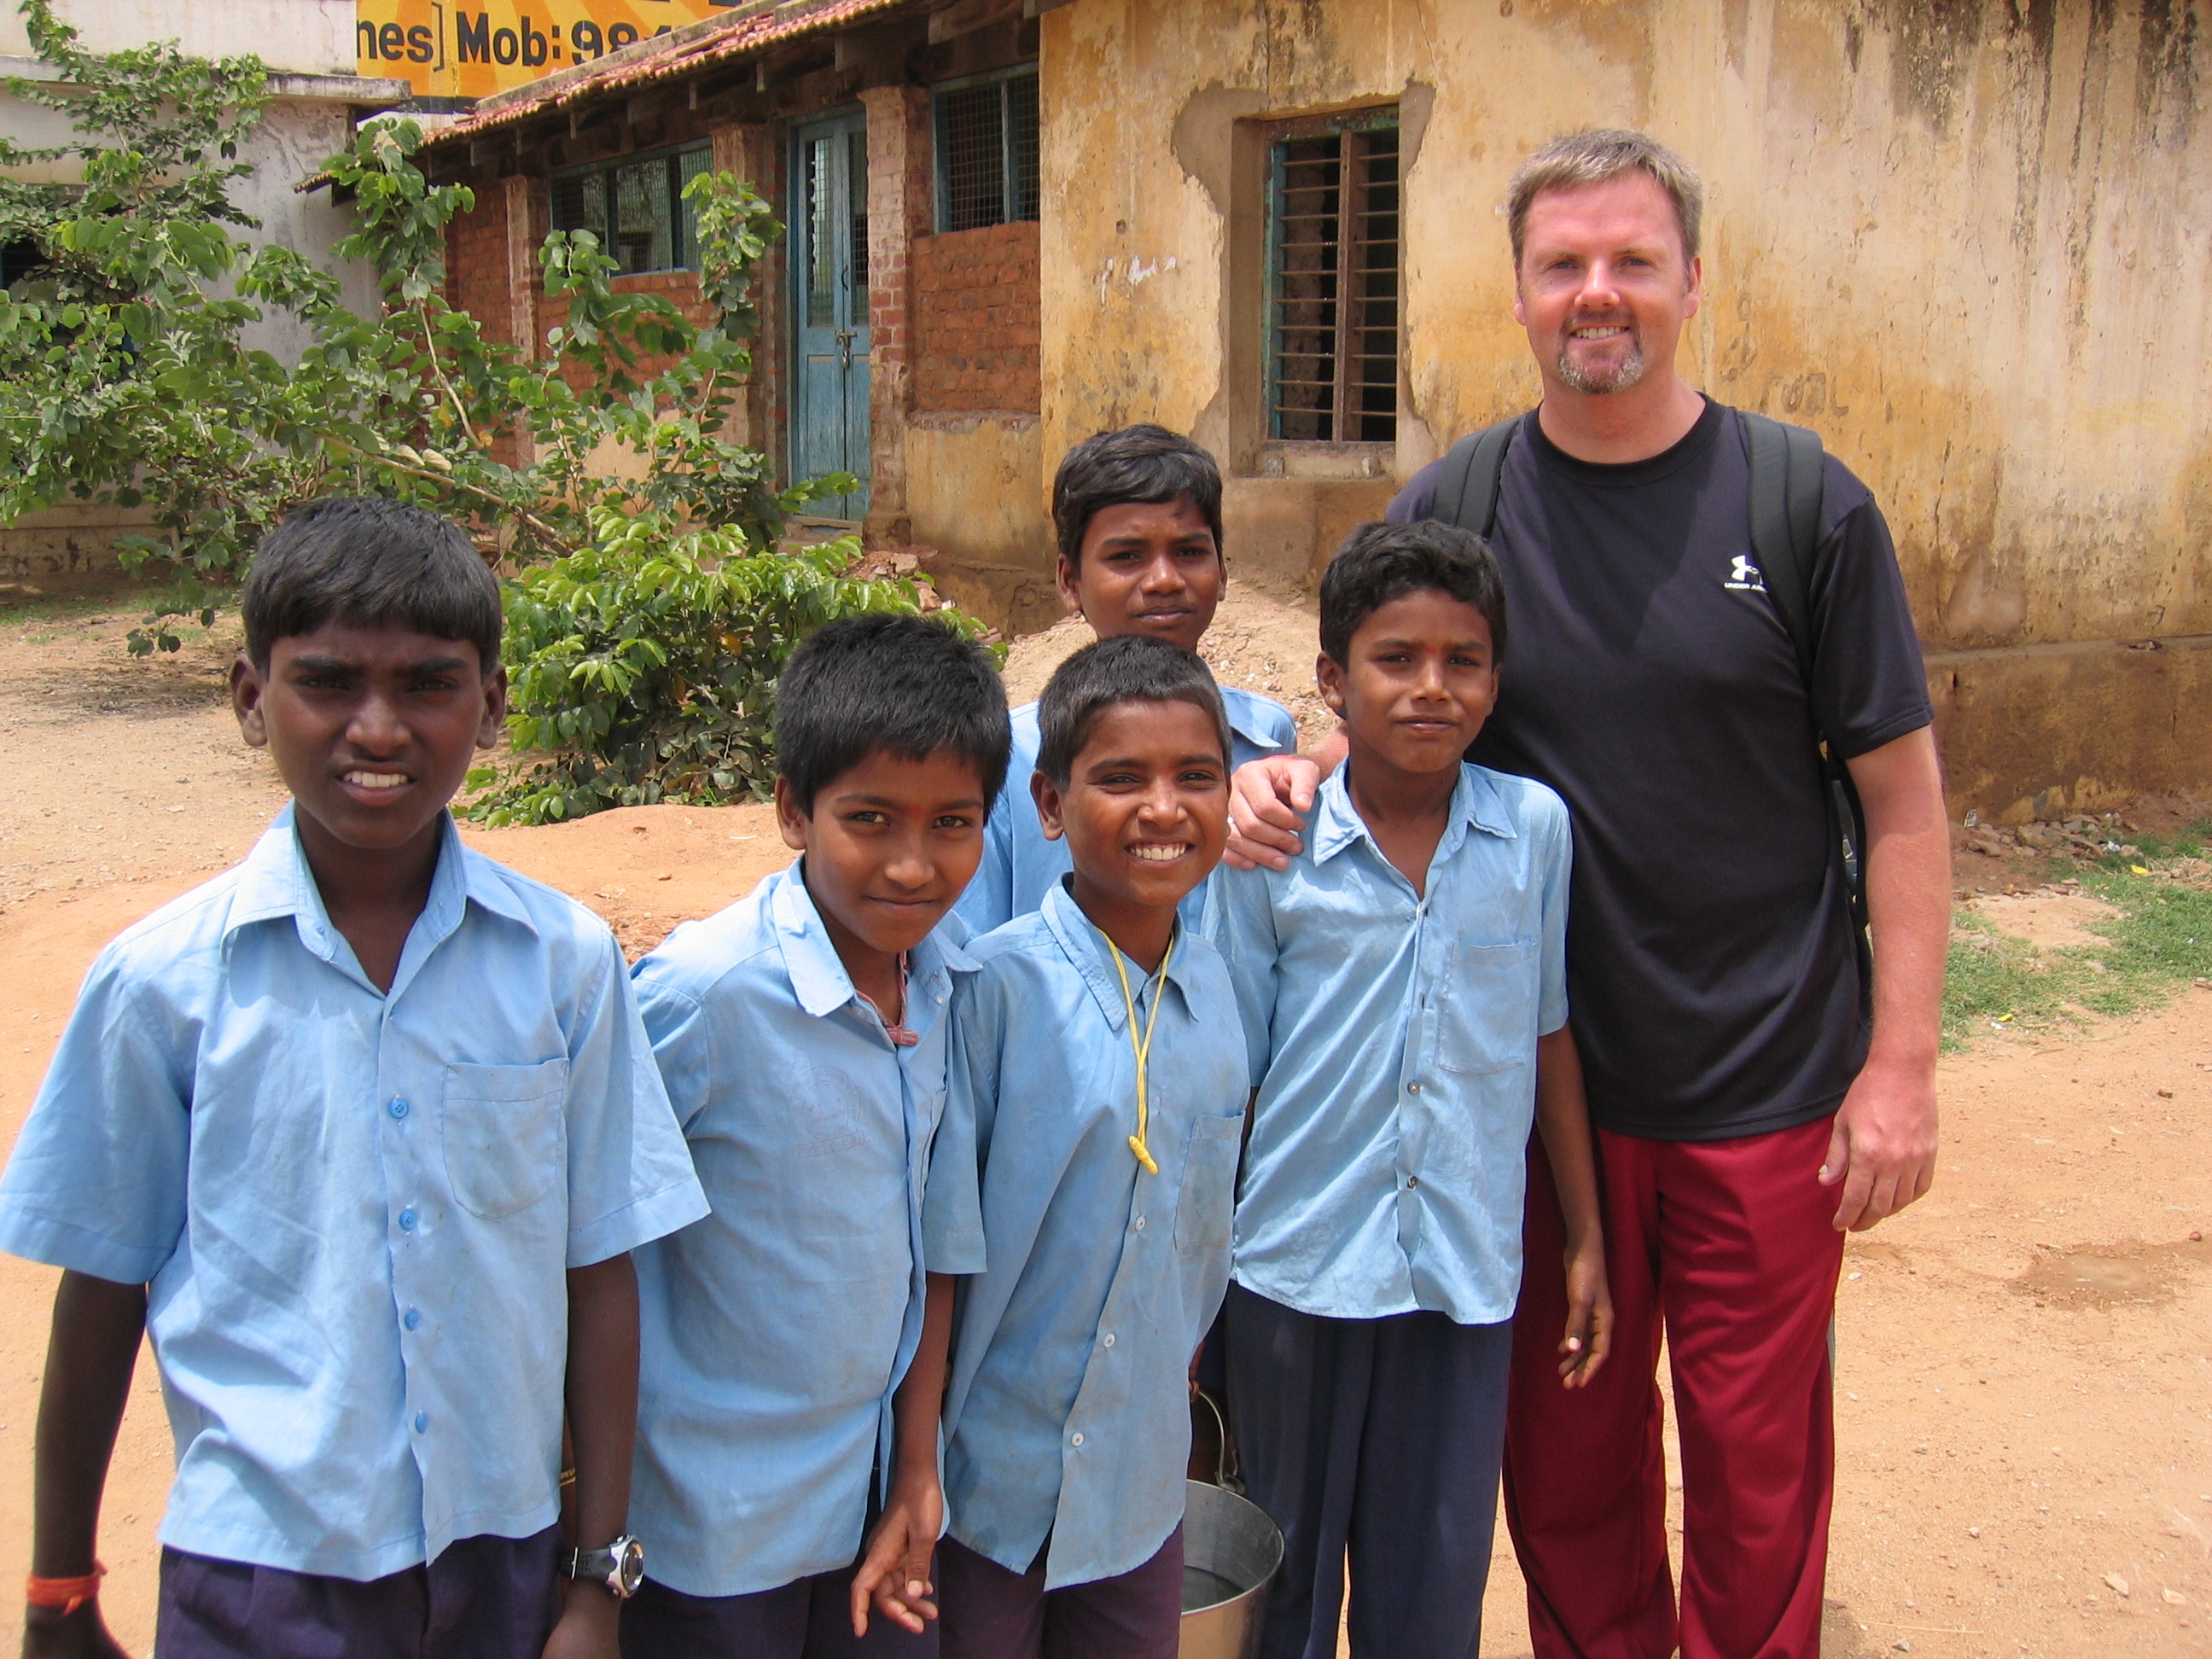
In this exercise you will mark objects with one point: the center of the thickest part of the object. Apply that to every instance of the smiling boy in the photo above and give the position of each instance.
(1138, 516)
(1402, 989)
(360, 1134)
(794, 1352)
(1085, 1176)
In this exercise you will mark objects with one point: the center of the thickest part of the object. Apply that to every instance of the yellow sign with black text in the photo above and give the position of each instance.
(446, 49)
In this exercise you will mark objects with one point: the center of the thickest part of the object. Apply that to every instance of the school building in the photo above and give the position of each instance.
(1968, 240)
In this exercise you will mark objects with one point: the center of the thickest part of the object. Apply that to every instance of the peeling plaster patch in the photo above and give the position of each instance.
(1983, 603)
(1201, 138)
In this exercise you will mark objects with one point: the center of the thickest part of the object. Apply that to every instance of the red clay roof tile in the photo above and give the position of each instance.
(661, 58)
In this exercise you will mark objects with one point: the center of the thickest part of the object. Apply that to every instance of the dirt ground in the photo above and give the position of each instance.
(2025, 1384)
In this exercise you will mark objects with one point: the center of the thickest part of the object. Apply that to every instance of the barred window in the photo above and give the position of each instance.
(1333, 280)
(987, 151)
(634, 205)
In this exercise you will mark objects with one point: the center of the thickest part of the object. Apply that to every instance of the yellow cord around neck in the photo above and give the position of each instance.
(1143, 1050)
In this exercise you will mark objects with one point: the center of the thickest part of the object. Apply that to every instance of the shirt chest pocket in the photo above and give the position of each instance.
(505, 1134)
(1209, 1183)
(1487, 1016)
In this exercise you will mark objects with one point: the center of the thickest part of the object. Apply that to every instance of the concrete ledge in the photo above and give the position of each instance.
(2043, 731)
(361, 91)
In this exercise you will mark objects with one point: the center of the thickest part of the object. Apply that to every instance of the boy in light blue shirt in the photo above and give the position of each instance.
(1403, 993)
(793, 1357)
(1084, 1177)
(1138, 516)
(360, 1134)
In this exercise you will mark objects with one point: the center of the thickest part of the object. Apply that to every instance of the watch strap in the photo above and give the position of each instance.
(604, 1566)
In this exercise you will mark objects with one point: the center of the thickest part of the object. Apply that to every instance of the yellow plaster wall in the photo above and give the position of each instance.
(1971, 242)
(972, 493)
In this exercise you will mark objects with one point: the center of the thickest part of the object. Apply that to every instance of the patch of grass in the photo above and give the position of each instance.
(1992, 979)
(2161, 937)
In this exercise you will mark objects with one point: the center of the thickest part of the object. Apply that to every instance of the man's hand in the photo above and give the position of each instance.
(1269, 801)
(49, 1633)
(895, 1567)
(1588, 1336)
(1882, 1151)
(590, 1624)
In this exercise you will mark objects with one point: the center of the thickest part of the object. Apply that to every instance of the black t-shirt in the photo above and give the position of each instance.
(1648, 678)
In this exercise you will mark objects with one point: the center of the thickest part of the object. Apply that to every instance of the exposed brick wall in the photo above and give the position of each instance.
(475, 264)
(483, 263)
(899, 195)
(680, 286)
(976, 321)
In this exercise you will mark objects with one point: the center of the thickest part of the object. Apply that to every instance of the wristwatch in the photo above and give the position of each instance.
(620, 1566)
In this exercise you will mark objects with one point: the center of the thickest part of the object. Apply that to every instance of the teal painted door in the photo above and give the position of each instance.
(829, 301)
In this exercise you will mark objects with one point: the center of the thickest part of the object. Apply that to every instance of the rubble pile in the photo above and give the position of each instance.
(2084, 838)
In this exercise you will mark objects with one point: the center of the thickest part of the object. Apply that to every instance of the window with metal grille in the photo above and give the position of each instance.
(634, 205)
(1333, 280)
(987, 151)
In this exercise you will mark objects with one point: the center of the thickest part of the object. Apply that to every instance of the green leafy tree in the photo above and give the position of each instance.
(653, 602)
(122, 377)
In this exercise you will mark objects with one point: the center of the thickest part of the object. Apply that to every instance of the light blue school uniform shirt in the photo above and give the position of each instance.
(1392, 1040)
(354, 1209)
(1020, 866)
(1068, 1411)
(775, 1331)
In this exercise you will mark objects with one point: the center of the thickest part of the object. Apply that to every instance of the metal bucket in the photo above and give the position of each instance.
(1230, 1550)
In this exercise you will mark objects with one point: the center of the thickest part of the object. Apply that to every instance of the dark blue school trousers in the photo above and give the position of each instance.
(809, 1617)
(482, 1598)
(1375, 1442)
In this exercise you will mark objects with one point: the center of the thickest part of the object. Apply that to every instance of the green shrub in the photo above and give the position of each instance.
(642, 667)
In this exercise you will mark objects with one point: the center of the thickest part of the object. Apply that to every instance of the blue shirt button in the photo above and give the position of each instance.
(414, 1318)
(407, 1221)
(399, 1108)
(422, 1421)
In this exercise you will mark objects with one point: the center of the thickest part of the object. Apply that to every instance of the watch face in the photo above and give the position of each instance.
(630, 1567)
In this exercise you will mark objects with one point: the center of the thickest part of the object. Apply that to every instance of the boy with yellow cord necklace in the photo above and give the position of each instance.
(1084, 1175)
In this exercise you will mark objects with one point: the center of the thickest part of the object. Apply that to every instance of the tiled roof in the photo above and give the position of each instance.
(659, 57)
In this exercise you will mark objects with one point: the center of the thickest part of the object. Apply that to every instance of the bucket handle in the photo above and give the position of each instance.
(1228, 1479)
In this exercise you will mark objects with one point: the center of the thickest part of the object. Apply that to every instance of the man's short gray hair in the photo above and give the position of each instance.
(1591, 158)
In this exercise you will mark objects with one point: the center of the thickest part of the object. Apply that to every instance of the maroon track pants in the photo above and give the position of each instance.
(1729, 1245)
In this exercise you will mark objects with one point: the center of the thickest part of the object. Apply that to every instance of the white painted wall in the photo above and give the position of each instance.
(306, 37)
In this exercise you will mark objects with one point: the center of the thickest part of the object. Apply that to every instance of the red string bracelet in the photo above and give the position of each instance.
(67, 1594)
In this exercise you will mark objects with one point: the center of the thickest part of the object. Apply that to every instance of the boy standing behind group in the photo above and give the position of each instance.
(1402, 984)
(794, 1359)
(361, 1133)
(1097, 1092)
(1138, 516)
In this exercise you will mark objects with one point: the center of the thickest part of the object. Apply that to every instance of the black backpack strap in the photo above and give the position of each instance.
(1468, 485)
(1786, 465)
(1785, 522)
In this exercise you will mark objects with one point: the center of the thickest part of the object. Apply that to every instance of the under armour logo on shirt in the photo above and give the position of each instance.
(1744, 576)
